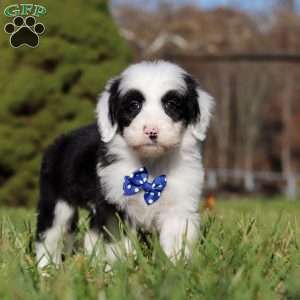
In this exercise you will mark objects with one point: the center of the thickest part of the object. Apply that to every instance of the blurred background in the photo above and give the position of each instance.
(244, 53)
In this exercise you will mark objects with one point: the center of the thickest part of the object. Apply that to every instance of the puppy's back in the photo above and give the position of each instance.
(69, 166)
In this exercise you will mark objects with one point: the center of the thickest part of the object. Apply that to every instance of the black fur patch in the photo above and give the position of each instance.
(182, 107)
(192, 110)
(174, 105)
(68, 173)
(128, 107)
(114, 99)
(123, 109)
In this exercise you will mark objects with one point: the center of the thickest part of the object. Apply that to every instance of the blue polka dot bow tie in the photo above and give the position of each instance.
(138, 181)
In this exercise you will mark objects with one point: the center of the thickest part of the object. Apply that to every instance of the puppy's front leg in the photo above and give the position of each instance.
(178, 233)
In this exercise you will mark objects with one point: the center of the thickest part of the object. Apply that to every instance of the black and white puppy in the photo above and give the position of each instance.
(152, 116)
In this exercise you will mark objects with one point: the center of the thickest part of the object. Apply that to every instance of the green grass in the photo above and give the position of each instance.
(248, 250)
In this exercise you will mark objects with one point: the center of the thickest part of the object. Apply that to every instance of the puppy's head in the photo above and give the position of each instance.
(152, 104)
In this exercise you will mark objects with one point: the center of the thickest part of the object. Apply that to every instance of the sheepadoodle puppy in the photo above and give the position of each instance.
(141, 160)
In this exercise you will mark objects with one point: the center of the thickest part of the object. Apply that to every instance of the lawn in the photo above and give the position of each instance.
(249, 249)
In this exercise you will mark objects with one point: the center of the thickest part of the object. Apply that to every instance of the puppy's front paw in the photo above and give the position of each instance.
(178, 236)
(178, 252)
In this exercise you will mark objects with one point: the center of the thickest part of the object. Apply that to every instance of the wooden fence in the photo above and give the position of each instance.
(250, 180)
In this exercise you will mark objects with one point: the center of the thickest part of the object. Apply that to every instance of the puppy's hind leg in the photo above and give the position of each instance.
(52, 225)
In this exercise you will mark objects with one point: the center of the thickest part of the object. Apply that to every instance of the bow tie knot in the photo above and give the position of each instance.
(138, 181)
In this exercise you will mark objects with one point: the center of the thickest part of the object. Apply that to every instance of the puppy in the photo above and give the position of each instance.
(141, 159)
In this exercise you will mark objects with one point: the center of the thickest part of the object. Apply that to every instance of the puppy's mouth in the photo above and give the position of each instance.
(149, 146)
(153, 147)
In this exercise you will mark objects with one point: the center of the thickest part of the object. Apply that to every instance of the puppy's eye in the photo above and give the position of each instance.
(134, 106)
(172, 104)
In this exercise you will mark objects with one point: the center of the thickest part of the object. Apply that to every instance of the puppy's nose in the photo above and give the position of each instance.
(151, 132)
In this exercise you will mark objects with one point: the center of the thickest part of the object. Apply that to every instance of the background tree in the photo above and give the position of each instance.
(53, 88)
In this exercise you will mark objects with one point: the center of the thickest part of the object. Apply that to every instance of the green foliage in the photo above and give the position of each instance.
(53, 88)
(248, 250)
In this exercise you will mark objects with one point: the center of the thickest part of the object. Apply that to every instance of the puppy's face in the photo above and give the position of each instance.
(151, 105)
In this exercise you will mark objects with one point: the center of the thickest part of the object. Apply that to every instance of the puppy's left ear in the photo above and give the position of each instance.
(206, 105)
(105, 116)
(203, 105)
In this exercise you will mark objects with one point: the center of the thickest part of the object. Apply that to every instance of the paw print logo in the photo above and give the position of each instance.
(24, 31)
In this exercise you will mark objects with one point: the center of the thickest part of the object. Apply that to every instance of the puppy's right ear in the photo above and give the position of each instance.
(104, 111)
